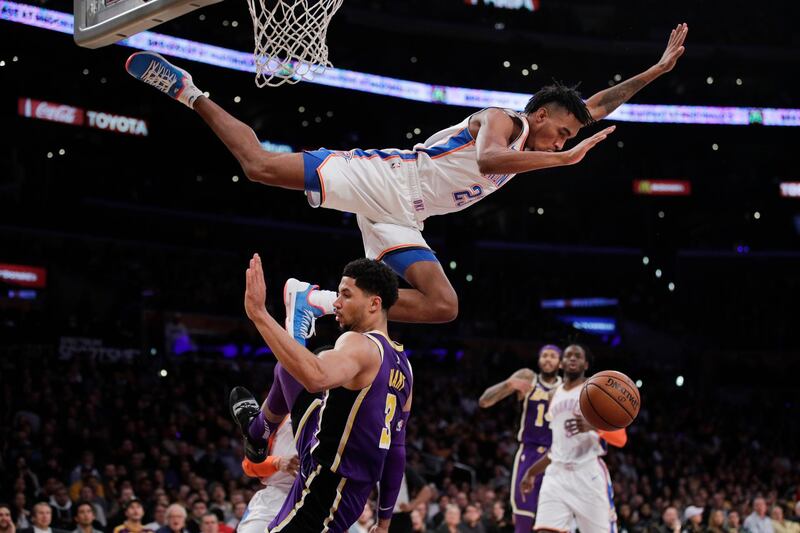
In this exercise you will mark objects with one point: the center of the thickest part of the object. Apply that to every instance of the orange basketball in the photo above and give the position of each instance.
(610, 400)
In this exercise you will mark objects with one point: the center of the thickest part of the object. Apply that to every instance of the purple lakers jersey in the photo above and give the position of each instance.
(355, 428)
(533, 427)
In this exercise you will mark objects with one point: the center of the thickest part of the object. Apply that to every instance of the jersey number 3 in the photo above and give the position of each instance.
(386, 431)
(469, 195)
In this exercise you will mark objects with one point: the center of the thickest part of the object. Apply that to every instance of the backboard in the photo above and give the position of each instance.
(103, 22)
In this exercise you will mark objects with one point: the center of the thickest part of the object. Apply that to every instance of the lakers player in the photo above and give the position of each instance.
(366, 382)
(576, 482)
(534, 429)
(393, 191)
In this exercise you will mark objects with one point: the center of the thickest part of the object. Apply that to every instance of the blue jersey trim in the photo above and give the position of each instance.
(400, 260)
(455, 142)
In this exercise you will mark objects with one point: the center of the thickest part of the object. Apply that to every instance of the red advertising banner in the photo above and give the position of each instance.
(662, 187)
(23, 275)
(65, 114)
(39, 109)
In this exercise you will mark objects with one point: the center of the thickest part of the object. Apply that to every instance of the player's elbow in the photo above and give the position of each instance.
(487, 164)
(259, 169)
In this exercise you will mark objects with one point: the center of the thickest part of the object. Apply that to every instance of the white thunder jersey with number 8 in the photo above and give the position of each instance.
(568, 448)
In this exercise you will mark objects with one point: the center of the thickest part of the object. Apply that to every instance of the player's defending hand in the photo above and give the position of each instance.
(289, 464)
(255, 294)
(674, 48)
(576, 153)
(526, 485)
(577, 425)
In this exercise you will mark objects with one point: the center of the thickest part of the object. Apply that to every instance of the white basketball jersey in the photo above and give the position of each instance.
(448, 168)
(283, 445)
(567, 448)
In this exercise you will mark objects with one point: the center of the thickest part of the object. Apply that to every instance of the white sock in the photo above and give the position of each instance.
(189, 95)
(323, 299)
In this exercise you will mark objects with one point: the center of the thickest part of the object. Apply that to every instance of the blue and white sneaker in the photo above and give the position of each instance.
(301, 314)
(156, 71)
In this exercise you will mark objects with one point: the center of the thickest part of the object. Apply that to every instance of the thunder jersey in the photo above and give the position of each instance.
(448, 168)
(533, 426)
(567, 448)
(355, 428)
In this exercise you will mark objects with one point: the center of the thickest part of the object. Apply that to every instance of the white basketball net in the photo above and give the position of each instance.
(290, 39)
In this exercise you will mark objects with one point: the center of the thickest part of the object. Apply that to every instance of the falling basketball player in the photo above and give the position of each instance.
(393, 191)
(576, 482)
(366, 382)
(534, 428)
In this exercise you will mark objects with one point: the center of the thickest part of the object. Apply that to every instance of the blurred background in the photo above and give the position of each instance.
(123, 255)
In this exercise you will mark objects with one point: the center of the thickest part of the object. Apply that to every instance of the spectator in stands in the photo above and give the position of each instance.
(670, 521)
(195, 521)
(134, 512)
(693, 516)
(6, 523)
(452, 519)
(210, 523)
(176, 519)
(734, 522)
(238, 512)
(780, 524)
(41, 518)
(23, 516)
(417, 522)
(472, 520)
(364, 522)
(159, 517)
(85, 518)
(62, 508)
(500, 520)
(716, 522)
(87, 494)
(758, 521)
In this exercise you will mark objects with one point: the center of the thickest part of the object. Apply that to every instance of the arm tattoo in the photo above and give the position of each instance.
(494, 394)
(616, 96)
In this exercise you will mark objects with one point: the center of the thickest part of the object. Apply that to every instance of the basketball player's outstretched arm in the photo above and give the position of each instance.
(519, 382)
(605, 102)
(352, 361)
(494, 156)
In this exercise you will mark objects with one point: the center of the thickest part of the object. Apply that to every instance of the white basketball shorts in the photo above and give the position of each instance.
(382, 188)
(583, 492)
(262, 509)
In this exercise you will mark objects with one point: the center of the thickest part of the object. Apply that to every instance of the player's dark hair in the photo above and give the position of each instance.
(586, 352)
(562, 95)
(373, 277)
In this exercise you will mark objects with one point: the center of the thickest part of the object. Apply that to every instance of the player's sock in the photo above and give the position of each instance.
(323, 299)
(260, 428)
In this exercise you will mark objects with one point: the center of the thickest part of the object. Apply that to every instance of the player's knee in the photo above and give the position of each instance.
(447, 306)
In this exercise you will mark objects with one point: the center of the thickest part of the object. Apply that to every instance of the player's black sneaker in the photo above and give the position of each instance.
(243, 409)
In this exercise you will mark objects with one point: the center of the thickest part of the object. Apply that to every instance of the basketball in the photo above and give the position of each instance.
(610, 400)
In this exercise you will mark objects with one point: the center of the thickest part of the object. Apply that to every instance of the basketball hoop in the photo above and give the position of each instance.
(290, 39)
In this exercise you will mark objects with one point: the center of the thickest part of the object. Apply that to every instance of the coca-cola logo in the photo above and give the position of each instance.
(65, 114)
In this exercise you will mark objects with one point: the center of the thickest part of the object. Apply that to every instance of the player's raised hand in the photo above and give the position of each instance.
(578, 152)
(521, 385)
(255, 294)
(289, 464)
(675, 48)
